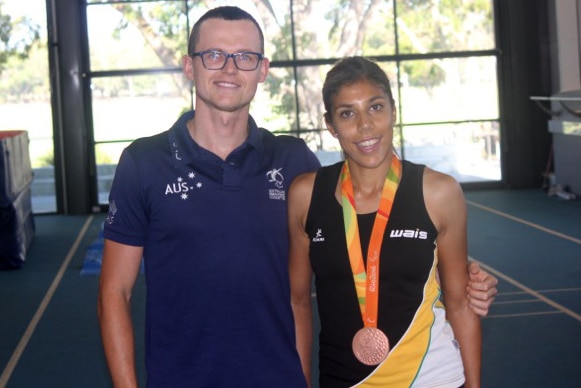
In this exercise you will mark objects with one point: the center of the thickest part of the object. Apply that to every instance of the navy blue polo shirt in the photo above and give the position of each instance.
(215, 241)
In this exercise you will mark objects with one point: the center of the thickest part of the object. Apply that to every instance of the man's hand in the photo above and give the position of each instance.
(481, 289)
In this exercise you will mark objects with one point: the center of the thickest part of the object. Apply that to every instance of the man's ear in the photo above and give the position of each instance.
(188, 67)
(264, 66)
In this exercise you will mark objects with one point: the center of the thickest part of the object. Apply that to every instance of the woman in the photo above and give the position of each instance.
(386, 241)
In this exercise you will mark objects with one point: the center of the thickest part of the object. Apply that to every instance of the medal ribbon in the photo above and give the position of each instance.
(367, 280)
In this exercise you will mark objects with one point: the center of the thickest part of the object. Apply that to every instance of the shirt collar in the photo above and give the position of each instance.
(185, 150)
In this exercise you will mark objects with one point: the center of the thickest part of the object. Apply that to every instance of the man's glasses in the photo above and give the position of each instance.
(216, 60)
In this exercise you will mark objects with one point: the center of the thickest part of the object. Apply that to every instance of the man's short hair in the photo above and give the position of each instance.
(225, 13)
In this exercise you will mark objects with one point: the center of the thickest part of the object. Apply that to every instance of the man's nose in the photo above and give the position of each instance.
(230, 66)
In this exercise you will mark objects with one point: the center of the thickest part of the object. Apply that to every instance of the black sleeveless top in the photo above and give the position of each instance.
(407, 255)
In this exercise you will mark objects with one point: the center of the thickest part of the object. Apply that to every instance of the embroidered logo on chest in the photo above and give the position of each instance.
(183, 187)
(275, 176)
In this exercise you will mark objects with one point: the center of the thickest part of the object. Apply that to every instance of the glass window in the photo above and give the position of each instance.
(275, 105)
(450, 89)
(136, 35)
(447, 98)
(444, 26)
(125, 108)
(469, 152)
(106, 156)
(326, 29)
(25, 102)
(310, 84)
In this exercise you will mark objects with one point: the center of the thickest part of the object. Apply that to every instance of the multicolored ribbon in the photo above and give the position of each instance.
(367, 280)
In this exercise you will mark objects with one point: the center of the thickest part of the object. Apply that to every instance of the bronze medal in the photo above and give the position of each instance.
(370, 346)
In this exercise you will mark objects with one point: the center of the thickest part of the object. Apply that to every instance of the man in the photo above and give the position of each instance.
(205, 205)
